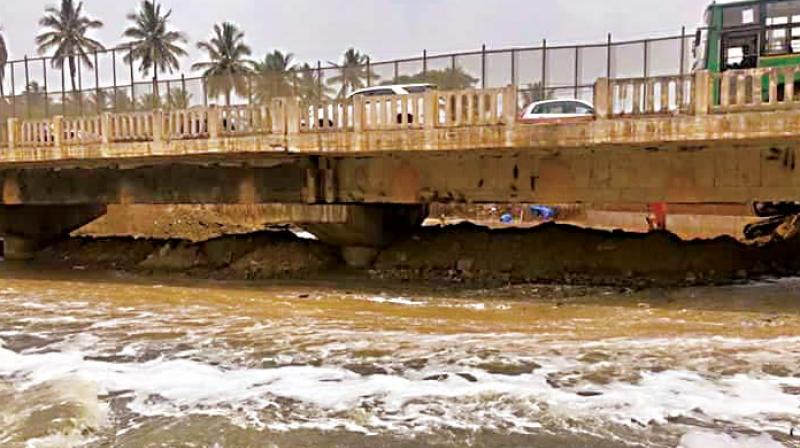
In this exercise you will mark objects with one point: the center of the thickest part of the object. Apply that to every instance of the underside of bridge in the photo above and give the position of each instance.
(385, 193)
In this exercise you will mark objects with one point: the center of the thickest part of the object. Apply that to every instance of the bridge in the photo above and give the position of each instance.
(359, 172)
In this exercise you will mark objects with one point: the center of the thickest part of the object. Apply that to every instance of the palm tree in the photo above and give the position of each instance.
(228, 65)
(122, 101)
(151, 42)
(308, 85)
(149, 100)
(534, 92)
(454, 78)
(35, 100)
(3, 60)
(276, 76)
(353, 72)
(67, 27)
(99, 101)
(178, 98)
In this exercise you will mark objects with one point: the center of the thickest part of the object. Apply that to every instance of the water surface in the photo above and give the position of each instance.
(114, 361)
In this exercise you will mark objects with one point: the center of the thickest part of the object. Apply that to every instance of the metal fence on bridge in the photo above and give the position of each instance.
(35, 88)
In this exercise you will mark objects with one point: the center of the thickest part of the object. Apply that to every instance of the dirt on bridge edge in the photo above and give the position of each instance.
(462, 254)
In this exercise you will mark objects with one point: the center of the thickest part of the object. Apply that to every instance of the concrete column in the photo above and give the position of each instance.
(13, 125)
(359, 122)
(106, 128)
(26, 229)
(311, 189)
(510, 104)
(358, 113)
(430, 109)
(702, 92)
(277, 110)
(293, 113)
(213, 122)
(158, 128)
(367, 229)
(58, 131)
(602, 99)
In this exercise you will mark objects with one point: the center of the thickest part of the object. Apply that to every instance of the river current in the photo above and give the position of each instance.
(97, 361)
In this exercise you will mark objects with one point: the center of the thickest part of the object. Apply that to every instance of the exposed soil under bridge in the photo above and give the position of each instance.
(462, 254)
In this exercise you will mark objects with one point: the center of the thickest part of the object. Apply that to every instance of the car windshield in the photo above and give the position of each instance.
(418, 89)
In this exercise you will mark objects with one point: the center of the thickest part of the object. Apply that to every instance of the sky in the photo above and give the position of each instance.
(386, 29)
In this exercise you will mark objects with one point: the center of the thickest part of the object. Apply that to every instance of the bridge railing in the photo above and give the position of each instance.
(80, 130)
(185, 124)
(651, 96)
(433, 109)
(762, 88)
(283, 116)
(129, 127)
(701, 93)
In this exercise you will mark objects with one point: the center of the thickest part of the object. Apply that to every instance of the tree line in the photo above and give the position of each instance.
(156, 49)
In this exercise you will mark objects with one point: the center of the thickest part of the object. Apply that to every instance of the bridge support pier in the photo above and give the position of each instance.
(369, 228)
(26, 229)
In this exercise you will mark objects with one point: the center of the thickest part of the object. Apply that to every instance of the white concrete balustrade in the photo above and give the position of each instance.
(700, 93)
(762, 88)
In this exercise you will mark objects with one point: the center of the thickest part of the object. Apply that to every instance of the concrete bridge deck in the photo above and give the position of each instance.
(685, 139)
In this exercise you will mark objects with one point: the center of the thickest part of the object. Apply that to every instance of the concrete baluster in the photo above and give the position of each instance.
(756, 81)
(664, 84)
(277, 111)
(263, 120)
(13, 132)
(430, 107)
(158, 131)
(510, 105)
(58, 131)
(105, 128)
(358, 113)
(213, 117)
(602, 98)
(788, 81)
(773, 86)
(293, 116)
(702, 92)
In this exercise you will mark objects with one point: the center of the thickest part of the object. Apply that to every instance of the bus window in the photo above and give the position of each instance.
(735, 57)
(740, 51)
(776, 41)
(739, 16)
(783, 27)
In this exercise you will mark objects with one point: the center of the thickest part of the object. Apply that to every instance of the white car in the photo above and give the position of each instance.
(394, 89)
(556, 109)
(382, 91)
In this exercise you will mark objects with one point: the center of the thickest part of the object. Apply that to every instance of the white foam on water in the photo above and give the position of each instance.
(405, 402)
(393, 300)
(706, 439)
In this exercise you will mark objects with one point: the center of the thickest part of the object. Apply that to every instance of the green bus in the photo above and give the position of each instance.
(749, 34)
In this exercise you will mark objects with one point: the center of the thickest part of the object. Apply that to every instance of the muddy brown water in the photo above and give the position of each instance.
(111, 360)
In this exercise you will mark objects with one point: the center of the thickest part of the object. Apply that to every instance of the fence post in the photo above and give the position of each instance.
(27, 90)
(13, 130)
(58, 131)
(369, 73)
(602, 98)
(483, 66)
(702, 92)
